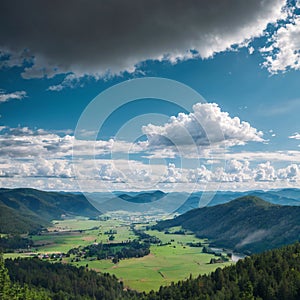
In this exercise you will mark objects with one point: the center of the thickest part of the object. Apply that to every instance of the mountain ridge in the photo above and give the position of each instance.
(143, 197)
(23, 210)
(246, 224)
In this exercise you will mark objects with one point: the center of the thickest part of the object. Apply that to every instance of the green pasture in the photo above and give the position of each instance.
(67, 234)
(164, 264)
(171, 262)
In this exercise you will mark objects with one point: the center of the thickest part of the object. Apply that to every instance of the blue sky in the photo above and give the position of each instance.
(245, 66)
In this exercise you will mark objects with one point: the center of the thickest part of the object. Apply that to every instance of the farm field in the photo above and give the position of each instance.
(172, 261)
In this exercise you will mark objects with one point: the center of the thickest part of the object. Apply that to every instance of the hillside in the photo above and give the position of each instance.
(245, 224)
(24, 210)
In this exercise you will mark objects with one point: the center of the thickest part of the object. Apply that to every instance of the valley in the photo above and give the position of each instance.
(174, 260)
(143, 252)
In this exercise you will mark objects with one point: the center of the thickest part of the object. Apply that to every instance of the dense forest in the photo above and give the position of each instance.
(13, 242)
(271, 275)
(16, 291)
(116, 251)
(59, 281)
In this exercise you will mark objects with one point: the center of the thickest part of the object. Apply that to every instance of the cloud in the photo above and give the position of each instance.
(40, 167)
(40, 154)
(108, 37)
(262, 156)
(251, 50)
(53, 168)
(173, 174)
(283, 52)
(124, 171)
(234, 171)
(265, 172)
(108, 172)
(70, 81)
(238, 171)
(295, 136)
(291, 173)
(18, 95)
(201, 174)
(206, 125)
(23, 142)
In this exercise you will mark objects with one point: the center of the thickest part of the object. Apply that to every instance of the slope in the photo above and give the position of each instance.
(245, 224)
(24, 210)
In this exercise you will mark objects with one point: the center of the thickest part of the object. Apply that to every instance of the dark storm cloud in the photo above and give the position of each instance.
(91, 37)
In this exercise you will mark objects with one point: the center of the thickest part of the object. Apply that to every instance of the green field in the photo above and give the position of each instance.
(167, 263)
(164, 265)
(68, 234)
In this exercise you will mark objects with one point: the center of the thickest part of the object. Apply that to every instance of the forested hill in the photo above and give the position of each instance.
(23, 210)
(33, 279)
(245, 224)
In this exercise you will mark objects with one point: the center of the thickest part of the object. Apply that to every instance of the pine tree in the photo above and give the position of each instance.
(4, 281)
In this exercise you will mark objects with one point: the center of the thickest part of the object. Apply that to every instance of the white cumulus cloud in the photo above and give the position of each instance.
(206, 125)
(291, 172)
(265, 172)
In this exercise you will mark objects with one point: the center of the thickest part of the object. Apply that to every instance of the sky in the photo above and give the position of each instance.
(145, 95)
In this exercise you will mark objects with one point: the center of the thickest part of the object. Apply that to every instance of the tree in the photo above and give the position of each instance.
(4, 281)
(115, 260)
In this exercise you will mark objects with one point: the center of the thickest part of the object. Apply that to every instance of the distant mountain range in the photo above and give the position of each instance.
(143, 197)
(281, 196)
(144, 202)
(153, 202)
(245, 224)
(24, 210)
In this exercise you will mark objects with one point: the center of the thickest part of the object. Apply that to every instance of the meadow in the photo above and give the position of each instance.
(173, 261)
(164, 265)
